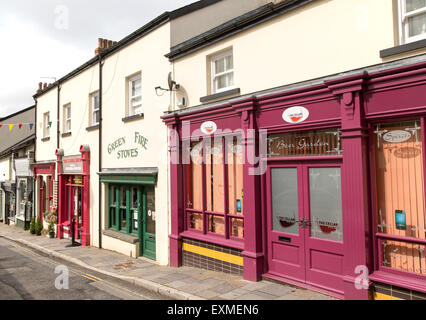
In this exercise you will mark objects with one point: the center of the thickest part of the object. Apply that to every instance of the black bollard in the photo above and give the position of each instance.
(73, 242)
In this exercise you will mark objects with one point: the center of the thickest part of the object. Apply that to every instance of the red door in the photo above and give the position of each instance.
(305, 238)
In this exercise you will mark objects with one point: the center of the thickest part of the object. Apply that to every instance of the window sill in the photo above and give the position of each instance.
(67, 134)
(93, 128)
(120, 236)
(420, 44)
(220, 95)
(406, 282)
(133, 118)
(45, 139)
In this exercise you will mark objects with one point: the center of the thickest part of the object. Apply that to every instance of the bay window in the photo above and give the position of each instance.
(214, 188)
(412, 18)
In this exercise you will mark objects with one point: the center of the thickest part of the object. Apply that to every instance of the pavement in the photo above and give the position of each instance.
(183, 283)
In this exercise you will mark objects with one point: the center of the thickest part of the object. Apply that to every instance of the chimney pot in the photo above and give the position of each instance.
(44, 86)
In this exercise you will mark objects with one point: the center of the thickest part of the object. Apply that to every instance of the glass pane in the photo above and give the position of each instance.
(229, 62)
(285, 201)
(123, 197)
(415, 4)
(134, 195)
(123, 219)
(96, 102)
(237, 228)
(225, 81)
(417, 25)
(135, 214)
(404, 256)
(235, 177)
(399, 180)
(136, 87)
(215, 192)
(310, 143)
(151, 214)
(113, 217)
(217, 225)
(194, 178)
(219, 65)
(196, 221)
(325, 187)
(95, 117)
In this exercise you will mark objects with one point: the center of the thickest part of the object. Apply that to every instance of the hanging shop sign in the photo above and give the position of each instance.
(397, 136)
(122, 150)
(295, 115)
(209, 127)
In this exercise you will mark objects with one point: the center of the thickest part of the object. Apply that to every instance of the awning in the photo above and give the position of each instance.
(142, 176)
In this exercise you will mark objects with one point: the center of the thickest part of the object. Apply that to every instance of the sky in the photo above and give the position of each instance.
(45, 39)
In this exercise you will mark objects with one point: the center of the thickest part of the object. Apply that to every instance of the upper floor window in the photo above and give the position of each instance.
(135, 95)
(67, 118)
(95, 103)
(222, 72)
(412, 17)
(46, 125)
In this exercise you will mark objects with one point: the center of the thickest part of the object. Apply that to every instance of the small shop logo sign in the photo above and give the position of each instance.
(397, 136)
(295, 115)
(209, 127)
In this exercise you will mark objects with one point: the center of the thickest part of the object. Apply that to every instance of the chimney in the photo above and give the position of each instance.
(103, 45)
(44, 86)
(40, 87)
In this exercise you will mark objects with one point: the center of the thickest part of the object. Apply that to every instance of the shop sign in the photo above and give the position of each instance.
(209, 127)
(397, 136)
(72, 167)
(22, 168)
(295, 115)
(122, 152)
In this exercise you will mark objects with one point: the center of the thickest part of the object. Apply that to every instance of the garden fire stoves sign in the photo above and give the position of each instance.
(125, 148)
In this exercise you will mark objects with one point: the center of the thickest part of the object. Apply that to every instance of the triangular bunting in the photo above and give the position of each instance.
(50, 124)
(11, 127)
(31, 126)
(20, 126)
(1, 125)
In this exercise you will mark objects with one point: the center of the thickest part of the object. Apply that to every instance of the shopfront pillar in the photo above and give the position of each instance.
(61, 195)
(85, 157)
(253, 252)
(354, 185)
(176, 205)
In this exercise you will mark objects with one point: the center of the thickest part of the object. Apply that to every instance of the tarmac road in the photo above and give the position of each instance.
(29, 275)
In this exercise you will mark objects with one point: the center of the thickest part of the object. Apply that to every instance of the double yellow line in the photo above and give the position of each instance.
(91, 277)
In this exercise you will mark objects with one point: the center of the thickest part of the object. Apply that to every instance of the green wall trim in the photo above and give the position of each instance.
(141, 180)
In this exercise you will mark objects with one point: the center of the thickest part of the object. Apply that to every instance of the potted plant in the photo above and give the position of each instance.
(32, 226)
(38, 227)
(51, 229)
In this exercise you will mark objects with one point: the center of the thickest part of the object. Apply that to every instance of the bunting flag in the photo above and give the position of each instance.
(19, 125)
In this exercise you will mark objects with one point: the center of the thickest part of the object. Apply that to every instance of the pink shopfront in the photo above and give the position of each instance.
(321, 187)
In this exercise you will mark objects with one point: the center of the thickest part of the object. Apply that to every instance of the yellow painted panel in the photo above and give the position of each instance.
(381, 296)
(214, 254)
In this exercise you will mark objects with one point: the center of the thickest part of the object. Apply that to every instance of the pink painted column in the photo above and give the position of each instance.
(85, 157)
(61, 192)
(176, 204)
(253, 252)
(354, 184)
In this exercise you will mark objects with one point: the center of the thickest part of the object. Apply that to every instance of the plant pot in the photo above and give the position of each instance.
(51, 235)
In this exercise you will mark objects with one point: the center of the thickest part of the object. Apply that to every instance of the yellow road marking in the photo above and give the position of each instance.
(91, 277)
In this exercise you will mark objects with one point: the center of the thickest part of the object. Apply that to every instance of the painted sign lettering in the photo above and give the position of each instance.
(125, 153)
(295, 115)
(397, 136)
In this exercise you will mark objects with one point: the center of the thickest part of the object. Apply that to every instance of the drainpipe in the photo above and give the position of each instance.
(57, 126)
(100, 149)
(34, 161)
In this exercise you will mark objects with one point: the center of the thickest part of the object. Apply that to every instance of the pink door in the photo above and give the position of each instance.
(305, 240)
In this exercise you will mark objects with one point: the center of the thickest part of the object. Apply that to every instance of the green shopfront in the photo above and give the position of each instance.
(130, 213)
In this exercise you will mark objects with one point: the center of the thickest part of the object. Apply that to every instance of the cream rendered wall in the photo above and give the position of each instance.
(6, 169)
(76, 91)
(147, 56)
(319, 39)
(48, 102)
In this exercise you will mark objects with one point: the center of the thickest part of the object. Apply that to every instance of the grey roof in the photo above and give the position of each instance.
(17, 136)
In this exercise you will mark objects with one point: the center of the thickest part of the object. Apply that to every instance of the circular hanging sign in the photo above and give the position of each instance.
(295, 115)
(208, 127)
(397, 136)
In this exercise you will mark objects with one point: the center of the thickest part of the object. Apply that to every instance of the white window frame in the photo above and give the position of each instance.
(403, 17)
(213, 60)
(132, 108)
(67, 120)
(94, 109)
(46, 129)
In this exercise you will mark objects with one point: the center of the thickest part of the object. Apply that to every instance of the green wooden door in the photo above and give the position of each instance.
(147, 236)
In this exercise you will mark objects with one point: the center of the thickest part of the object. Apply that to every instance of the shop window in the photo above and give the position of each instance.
(222, 72)
(301, 144)
(218, 180)
(124, 208)
(151, 213)
(400, 197)
(412, 20)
